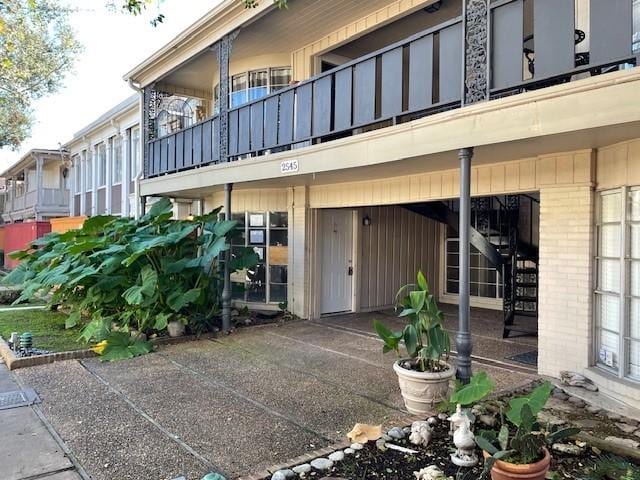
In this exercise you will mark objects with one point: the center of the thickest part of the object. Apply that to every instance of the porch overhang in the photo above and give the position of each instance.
(588, 113)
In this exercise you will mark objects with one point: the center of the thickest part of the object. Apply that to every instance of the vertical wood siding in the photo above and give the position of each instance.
(393, 248)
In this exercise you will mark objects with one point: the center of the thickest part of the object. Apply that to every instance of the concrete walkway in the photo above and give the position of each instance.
(27, 449)
(233, 405)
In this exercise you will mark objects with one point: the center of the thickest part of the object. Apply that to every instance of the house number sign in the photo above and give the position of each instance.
(288, 166)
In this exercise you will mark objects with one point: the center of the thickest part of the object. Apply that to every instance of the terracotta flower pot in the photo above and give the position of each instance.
(531, 471)
(421, 391)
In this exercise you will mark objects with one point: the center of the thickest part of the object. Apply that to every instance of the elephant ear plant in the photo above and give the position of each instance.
(424, 338)
(116, 275)
(528, 444)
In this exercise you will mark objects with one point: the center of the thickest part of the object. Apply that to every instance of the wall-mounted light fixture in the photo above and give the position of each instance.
(434, 7)
(366, 221)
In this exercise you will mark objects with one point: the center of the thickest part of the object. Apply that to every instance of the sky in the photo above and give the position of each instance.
(113, 44)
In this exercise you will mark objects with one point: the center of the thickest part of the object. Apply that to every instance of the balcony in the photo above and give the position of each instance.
(532, 44)
(47, 199)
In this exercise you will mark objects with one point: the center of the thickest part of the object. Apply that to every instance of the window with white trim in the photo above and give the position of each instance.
(617, 289)
(77, 174)
(116, 155)
(102, 165)
(88, 170)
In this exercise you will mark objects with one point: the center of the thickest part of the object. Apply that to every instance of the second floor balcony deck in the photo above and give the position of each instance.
(514, 47)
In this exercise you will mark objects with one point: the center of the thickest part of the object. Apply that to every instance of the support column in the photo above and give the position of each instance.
(73, 188)
(226, 290)
(82, 164)
(464, 344)
(94, 180)
(39, 190)
(108, 181)
(476, 51)
(223, 50)
(126, 173)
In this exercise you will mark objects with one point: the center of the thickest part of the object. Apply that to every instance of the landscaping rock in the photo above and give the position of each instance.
(381, 445)
(567, 449)
(443, 416)
(9, 295)
(337, 456)
(560, 395)
(432, 421)
(386, 437)
(613, 416)
(397, 433)
(357, 446)
(545, 417)
(623, 442)
(488, 420)
(626, 428)
(321, 464)
(593, 409)
(559, 405)
(631, 421)
(302, 469)
(578, 402)
(349, 451)
(283, 475)
(587, 424)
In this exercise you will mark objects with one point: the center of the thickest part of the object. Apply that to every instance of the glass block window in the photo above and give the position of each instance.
(267, 234)
(485, 281)
(617, 291)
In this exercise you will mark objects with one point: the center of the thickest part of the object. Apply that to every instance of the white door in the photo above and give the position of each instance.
(336, 237)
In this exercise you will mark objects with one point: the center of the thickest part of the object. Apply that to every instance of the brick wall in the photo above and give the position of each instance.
(566, 238)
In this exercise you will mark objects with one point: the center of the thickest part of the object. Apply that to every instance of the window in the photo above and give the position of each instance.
(116, 156)
(617, 293)
(88, 171)
(485, 281)
(102, 165)
(248, 86)
(267, 234)
(135, 152)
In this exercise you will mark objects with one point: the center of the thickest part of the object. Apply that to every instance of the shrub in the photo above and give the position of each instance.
(118, 274)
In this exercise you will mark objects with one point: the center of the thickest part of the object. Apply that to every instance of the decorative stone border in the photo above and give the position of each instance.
(14, 362)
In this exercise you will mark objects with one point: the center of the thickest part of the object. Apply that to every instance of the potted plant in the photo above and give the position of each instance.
(523, 454)
(423, 374)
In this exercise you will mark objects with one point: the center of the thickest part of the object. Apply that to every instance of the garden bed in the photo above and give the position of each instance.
(607, 439)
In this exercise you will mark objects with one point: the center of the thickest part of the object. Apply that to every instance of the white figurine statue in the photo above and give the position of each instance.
(464, 440)
(456, 419)
(431, 473)
(420, 433)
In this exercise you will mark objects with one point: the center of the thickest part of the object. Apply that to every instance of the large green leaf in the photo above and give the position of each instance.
(138, 294)
(391, 339)
(417, 299)
(410, 337)
(422, 281)
(178, 299)
(478, 387)
(121, 346)
(536, 400)
(486, 445)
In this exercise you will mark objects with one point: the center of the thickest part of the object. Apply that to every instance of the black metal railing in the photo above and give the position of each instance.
(418, 76)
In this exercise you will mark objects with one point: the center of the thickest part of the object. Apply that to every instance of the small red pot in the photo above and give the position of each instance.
(510, 471)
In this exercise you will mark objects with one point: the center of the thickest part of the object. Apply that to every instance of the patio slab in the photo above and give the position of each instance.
(235, 405)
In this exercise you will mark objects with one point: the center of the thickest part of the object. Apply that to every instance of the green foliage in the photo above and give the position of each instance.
(120, 345)
(424, 337)
(37, 49)
(137, 7)
(527, 444)
(118, 274)
(478, 388)
(609, 467)
(536, 400)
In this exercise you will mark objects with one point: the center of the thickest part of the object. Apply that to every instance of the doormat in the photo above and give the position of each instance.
(528, 358)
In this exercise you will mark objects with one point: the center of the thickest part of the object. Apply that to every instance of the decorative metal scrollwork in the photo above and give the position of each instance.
(476, 51)
(224, 48)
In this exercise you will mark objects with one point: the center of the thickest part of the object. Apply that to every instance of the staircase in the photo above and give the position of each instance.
(496, 232)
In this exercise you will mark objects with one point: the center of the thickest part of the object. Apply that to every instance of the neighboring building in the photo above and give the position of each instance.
(36, 188)
(349, 180)
(106, 162)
